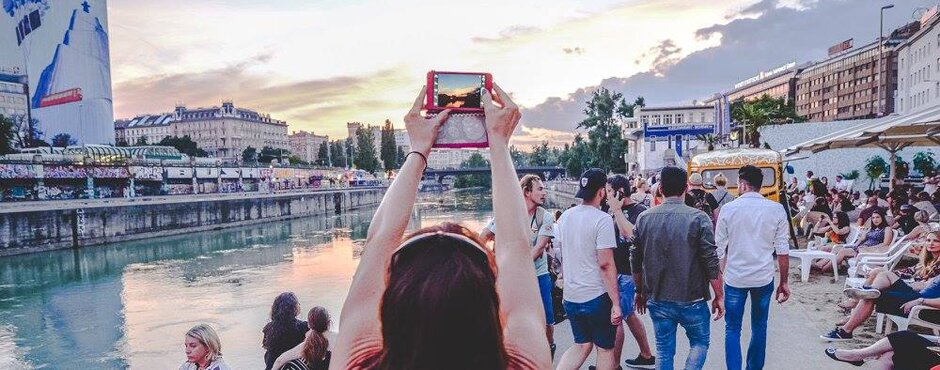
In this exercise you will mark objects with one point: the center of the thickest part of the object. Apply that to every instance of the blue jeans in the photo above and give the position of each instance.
(694, 318)
(735, 298)
(590, 321)
(627, 294)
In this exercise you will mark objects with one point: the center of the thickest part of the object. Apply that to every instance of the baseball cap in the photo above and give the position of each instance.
(591, 180)
(695, 179)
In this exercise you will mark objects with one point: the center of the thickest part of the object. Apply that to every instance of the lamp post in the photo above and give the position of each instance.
(882, 71)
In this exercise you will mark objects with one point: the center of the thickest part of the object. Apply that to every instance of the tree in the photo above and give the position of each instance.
(350, 152)
(141, 141)
(26, 132)
(760, 112)
(605, 139)
(387, 151)
(518, 156)
(576, 157)
(184, 144)
(875, 167)
(295, 159)
(901, 168)
(269, 154)
(250, 155)
(709, 140)
(323, 154)
(540, 155)
(122, 142)
(7, 135)
(475, 160)
(400, 156)
(924, 163)
(338, 154)
(365, 158)
(63, 140)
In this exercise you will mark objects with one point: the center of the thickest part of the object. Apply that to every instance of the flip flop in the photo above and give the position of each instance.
(831, 352)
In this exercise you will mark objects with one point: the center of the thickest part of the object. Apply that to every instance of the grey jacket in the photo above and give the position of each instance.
(674, 252)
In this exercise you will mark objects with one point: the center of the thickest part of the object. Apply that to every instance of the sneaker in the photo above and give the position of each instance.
(642, 363)
(836, 335)
(862, 293)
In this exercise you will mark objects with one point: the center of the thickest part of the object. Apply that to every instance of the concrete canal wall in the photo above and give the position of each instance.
(72, 224)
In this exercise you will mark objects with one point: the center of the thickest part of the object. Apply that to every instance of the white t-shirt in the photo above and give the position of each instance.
(579, 233)
(541, 264)
(750, 229)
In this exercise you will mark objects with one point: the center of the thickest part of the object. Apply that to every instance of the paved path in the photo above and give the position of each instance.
(793, 341)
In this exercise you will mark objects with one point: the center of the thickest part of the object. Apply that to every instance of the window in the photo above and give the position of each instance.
(679, 118)
(652, 143)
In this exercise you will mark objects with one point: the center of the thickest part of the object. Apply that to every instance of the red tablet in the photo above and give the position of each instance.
(457, 91)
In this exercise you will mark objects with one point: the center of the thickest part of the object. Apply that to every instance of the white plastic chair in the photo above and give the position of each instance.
(863, 263)
(903, 323)
(807, 256)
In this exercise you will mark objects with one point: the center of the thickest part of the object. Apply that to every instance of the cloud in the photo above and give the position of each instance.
(759, 37)
(662, 55)
(508, 34)
(532, 136)
(336, 100)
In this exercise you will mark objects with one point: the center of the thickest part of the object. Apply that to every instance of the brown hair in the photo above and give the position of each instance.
(927, 261)
(316, 344)
(527, 182)
(440, 308)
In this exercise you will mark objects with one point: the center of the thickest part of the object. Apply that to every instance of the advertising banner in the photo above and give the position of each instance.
(179, 172)
(230, 173)
(147, 173)
(207, 172)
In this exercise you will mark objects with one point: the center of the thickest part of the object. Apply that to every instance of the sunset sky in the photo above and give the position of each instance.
(319, 64)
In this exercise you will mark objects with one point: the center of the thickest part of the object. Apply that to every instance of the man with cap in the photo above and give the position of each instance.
(585, 236)
(700, 199)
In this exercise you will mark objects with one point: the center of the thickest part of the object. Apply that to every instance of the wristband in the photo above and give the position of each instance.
(422, 157)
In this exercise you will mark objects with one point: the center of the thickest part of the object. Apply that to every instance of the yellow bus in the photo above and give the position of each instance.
(728, 161)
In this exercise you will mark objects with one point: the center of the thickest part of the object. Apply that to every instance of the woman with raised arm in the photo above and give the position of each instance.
(439, 299)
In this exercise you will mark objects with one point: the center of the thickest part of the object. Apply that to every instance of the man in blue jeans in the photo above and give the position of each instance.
(674, 261)
(750, 229)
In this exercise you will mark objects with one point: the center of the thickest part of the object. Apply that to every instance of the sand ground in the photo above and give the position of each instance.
(793, 341)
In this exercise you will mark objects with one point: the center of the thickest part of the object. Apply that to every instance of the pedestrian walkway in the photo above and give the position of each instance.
(792, 341)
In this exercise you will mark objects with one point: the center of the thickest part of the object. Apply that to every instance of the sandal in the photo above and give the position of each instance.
(831, 352)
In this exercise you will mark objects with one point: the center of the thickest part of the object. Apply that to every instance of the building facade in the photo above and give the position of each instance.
(919, 67)
(63, 49)
(401, 136)
(851, 85)
(306, 145)
(14, 99)
(660, 134)
(452, 158)
(223, 131)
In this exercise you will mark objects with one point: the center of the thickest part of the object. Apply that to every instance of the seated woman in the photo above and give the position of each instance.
(203, 349)
(903, 350)
(923, 227)
(284, 331)
(438, 298)
(878, 238)
(890, 294)
(822, 206)
(313, 353)
(834, 232)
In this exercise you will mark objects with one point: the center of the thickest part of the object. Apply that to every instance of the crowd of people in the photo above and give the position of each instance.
(447, 297)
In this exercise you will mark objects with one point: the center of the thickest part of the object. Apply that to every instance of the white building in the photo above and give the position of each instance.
(656, 135)
(919, 67)
(223, 131)
(452, 158)
(145, 129)
(306, 145)
(401, 136)
(13, 97)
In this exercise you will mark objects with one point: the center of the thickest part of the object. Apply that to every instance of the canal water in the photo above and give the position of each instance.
(129, 305)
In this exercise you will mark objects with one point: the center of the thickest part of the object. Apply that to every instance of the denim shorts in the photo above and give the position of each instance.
(590, 321)
(627, 294)
(545, 290)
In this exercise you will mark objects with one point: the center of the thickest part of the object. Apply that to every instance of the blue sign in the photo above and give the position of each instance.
(670, 130)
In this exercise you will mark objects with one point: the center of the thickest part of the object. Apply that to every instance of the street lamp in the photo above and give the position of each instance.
(882, 71)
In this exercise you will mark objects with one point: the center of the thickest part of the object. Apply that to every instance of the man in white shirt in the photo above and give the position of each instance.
(750, 229)
(585, 236)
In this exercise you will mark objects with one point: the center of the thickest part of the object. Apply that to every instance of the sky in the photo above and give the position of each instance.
(320, 64)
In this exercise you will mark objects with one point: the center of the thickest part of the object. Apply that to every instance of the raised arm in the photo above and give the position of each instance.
(359, 330)
(520, 302)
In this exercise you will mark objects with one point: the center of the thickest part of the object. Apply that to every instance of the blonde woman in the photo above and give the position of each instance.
(642, 193)
(203, 350)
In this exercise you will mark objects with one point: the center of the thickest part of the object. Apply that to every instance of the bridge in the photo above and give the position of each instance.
(545, 172)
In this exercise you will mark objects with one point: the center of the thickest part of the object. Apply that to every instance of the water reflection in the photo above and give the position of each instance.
(128, 305)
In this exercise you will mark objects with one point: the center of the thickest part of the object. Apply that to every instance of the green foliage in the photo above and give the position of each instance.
(365, 158)
(925, 163)
(6, 135)
(901, 168)
(26, 132)
(540, 156)
(63, 140)
(388, 152)
(338, 154)
(295, 159)
(875, 167)
(851, 175)
(269, 154)
(250, 155)
(754, 114)
(518, 156)
(323, 154)
(605, 138)
(575, 157)
(476, 160)
(121, 142)
(709, 140)
(350, 151)
(184, 144)
(141, 141)
(400, 157)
